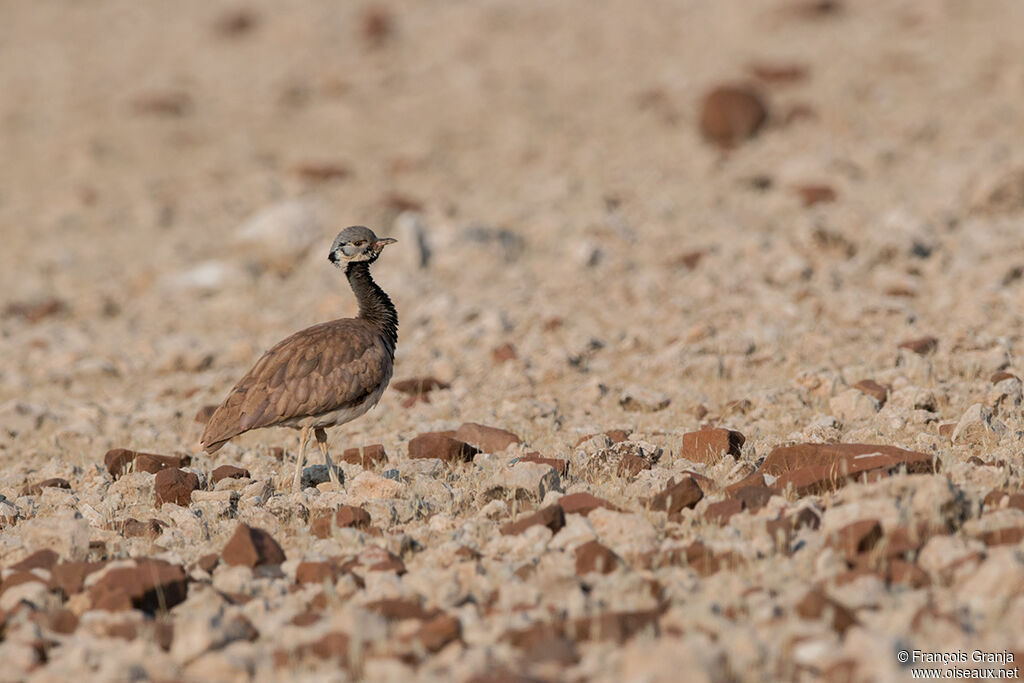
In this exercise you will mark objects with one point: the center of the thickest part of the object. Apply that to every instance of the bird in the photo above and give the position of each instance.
(322, 376)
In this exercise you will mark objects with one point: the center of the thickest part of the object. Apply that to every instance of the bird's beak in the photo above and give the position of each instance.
(383, 241)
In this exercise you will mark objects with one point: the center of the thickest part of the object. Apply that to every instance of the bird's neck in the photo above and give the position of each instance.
(374, 305)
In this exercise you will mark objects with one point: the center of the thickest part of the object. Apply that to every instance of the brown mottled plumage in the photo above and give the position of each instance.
(325, 375)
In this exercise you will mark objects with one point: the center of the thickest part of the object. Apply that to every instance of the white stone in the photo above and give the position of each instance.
(533, 478)
(278, 236)
(207, 629)
(1000, 576)
(215, 504)
(206, 277)
(625, 533)
(853, 404)
(33, 592)
(367, 485)
(977, 425)
(133, 488)
(942, 551)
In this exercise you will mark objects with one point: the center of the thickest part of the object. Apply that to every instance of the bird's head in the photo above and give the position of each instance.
(357, 244)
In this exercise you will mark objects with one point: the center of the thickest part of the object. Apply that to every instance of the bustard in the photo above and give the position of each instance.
(325, 375)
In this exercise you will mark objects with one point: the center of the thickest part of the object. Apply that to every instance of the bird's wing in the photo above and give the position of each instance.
(318, 370)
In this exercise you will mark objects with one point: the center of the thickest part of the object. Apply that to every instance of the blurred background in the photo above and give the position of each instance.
(602, 194)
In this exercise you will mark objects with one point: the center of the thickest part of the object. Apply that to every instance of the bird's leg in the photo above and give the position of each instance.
(300, 460)
(321, 440)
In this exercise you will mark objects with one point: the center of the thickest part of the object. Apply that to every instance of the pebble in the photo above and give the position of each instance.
(251, 547)
(709, 445)
(534, 480)
(730, 114)
(487, 439)
(174, 486)
(442, 446)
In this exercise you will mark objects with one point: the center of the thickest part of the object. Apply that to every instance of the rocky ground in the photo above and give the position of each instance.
(708, 364)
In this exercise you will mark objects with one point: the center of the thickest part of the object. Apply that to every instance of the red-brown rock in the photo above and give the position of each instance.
(118, 459)
(320, 171)
(908, 574)
(167, 103)
(18, 578)
(816, 604)
(344, 516)
(251, 547)
(997, 499)
(503, 354)
(808, 469)
(438, 632)
(879, 392)
(921, 345)
(631, 465)
(732, 113)
(781, 528)
(318, 572)
(333, 646)
(40, 559)
(778, 74)
(351, 516)
(34, 311)
(595, 557)
(583, 504)
(553, 517)
(542, 642)
(365, 456)
(37, 489)
(811, 194)
(843, 456)
(857, 538)
(709, 445)
(705, 483)
(208, 562)
(901, 541)
(304, 619)
(229, 472)
(615, 626)
(401, 608)
(1005, 536)
(442, 446)
(59, 620)
(152, 463)
(487, 439)
(376, 24)
(753, 498)
(721, 511)
(560, 465)
(175, 486)
(701, 558)
(755, 479)
(677, 495)
(998, 377)
(418, 386)
(69, 577)
(150, 585)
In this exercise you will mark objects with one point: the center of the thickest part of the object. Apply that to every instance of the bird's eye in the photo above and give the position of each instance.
(360, 243)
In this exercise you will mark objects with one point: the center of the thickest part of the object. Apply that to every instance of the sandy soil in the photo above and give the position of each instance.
(172, 176)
